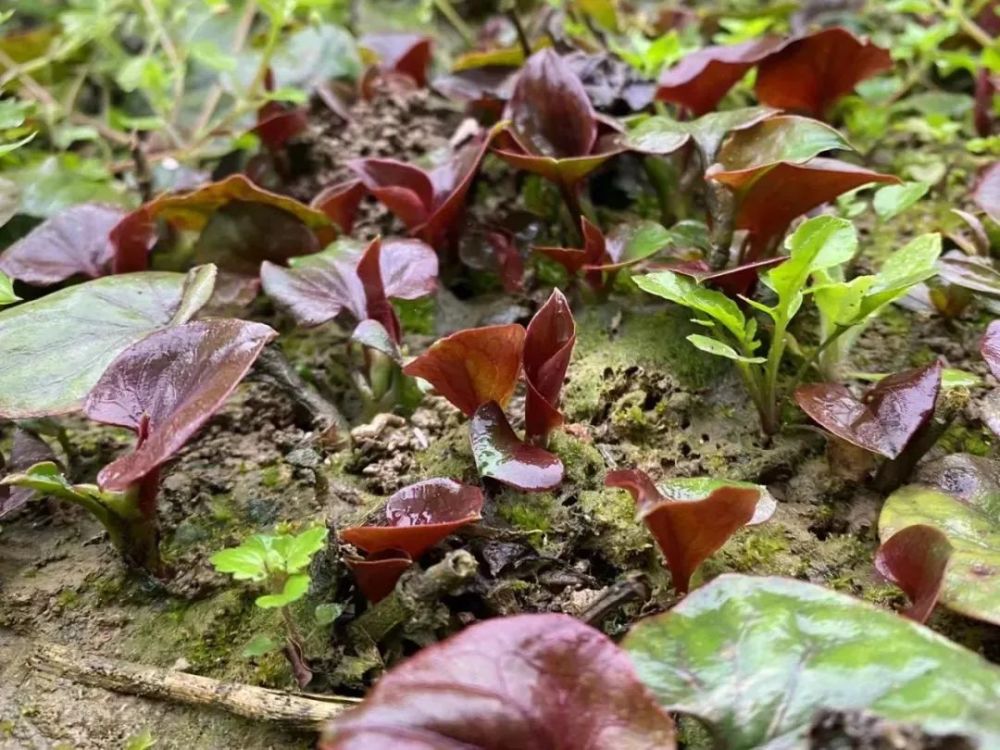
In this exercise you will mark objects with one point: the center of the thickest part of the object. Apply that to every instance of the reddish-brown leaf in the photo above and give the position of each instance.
(770, 196)
(689, 530)
(986, 194)
(548, 346)
(989, 347)
(377, 305)
(502, 455)
(702, 78)
(733, 281)
(474, 366)
(168, 385)
(915, 559)
(75, 242)
(278, 123)
(593, 252)
(888, 415)
(418, 517)
(133, 239)
(340, 202)
(409, 54)
(376, 575)
(811, 73)
(530, 682)
(983, 118)
(405, 190)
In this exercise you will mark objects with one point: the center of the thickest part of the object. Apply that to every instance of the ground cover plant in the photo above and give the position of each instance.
(499, 375)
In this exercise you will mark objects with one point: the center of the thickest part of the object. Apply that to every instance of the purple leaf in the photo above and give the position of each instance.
(168, 385)
(548, 346)
(888, 415)
(990, 348)
(502, 455)
(915, 559)
(531, 682)
(986, 193)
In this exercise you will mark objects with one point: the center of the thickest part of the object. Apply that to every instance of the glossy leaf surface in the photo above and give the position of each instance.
(56, 347)
(915, 559)
(811, 73)
(419, 516)
(756, 658)
(548, 346)
(474, 366)
(168, 385)
(74, 242)
(692, 519)
(664, 135)
(702, 78)
(500, 454)
(888, 415)
(783, 138)
(532, 682)
(971, 526)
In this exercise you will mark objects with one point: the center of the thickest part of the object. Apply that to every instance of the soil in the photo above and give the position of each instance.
(637, 395)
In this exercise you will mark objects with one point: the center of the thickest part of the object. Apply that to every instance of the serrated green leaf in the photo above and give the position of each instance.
(295, 588)
(303, 546)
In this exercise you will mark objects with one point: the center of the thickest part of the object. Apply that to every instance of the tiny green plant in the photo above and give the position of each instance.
(277, 565)
(818, 250)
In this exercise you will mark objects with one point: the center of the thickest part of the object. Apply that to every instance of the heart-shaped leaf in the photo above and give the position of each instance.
(915, 559)
(702, 78)
(757, 658)
(631, 242)
(55, 348)
(970, 524)
(419, 516)
(168, 385)
(548, 346)
(811, 73)
(532, 682)
(405, 190)
(986, 193)
(474, 366)
(692, 518)
(886, 418)
(502, 455)
(74, 242)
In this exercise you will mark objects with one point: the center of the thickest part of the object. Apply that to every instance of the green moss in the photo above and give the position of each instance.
(68, 598)
(959, 438)
(583, 463)
(758, 549)
(416, 315)
(531, 514)
(610, 517)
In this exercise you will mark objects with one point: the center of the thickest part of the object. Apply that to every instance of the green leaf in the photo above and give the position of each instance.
(892, 200)
(142, 741)
(817, 244)
(295, 588)
(720, 349)
(664, 135)
(327, 613)
(259, 646)
(787, 138)
(6, 148)
(7, 296)
(756, 658)
(972, 525)
(55, 348)
(56, 183)
(840, 302)
(248, 562)
(684, 291)
(911, 264)
(46, 478)
(303, 546)
(315, 55)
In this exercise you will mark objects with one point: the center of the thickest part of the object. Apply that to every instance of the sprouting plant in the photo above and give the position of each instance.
(277, 565)
(7, 295)
(816, 247)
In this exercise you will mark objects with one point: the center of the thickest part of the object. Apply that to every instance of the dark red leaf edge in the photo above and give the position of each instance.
(501, 455)
(409, 54)
(376, 575)
(735, 281)
(531, 682)
(340, 202)
(916, 559)
(548, 347)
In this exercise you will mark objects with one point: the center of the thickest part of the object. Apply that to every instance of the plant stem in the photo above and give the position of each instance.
(969, 26)
(446, 9)
(771, 416)
(522, 37)
(804, 368)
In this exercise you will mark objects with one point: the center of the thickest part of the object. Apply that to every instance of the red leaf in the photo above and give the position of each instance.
(593, 252)
(811, 73)
(990, 348)
(770, 196)
(409, 54)
(548, 346)
(474, 366)
(340, 202)
(377, 305)
(74, 242)
(702, 78)
(418, 517)
(688, 531)
(502, 455)
(133, 239)
(986, 193)
(982, 113)
(733, 281)
(888, 415)
(510, 265)
(278, 123)
(376, 576)
(530, 682)
(915, 559)
(405, 190)
(168, 385)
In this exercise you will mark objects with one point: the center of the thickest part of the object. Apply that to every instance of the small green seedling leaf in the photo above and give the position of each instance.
(327, 613)
(890, 201)
(684, 291)
(142, 741)
(818, 244)
(302, 547)
(720, 349)
(7, 296)
(295, 588)
(259, 646)
(248, 562)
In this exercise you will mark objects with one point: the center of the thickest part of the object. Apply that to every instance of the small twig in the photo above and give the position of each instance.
(633, 588)
(522, 37)
(143, 174)
(298, 711)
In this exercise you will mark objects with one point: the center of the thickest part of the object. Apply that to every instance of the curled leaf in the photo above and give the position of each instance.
(376, 575)
(168, 385)
(501, 455)
(532, 682)
(548, 346)
(915, 559)
(409, 54)
(692, 519)
(340, 202)
(888, 415)
(474, 366)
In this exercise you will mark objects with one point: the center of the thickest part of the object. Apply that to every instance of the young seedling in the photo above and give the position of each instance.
(916, 559)
(7, 295)
(692, 518)
(415, 519)
(548, 347)
(277, 564)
